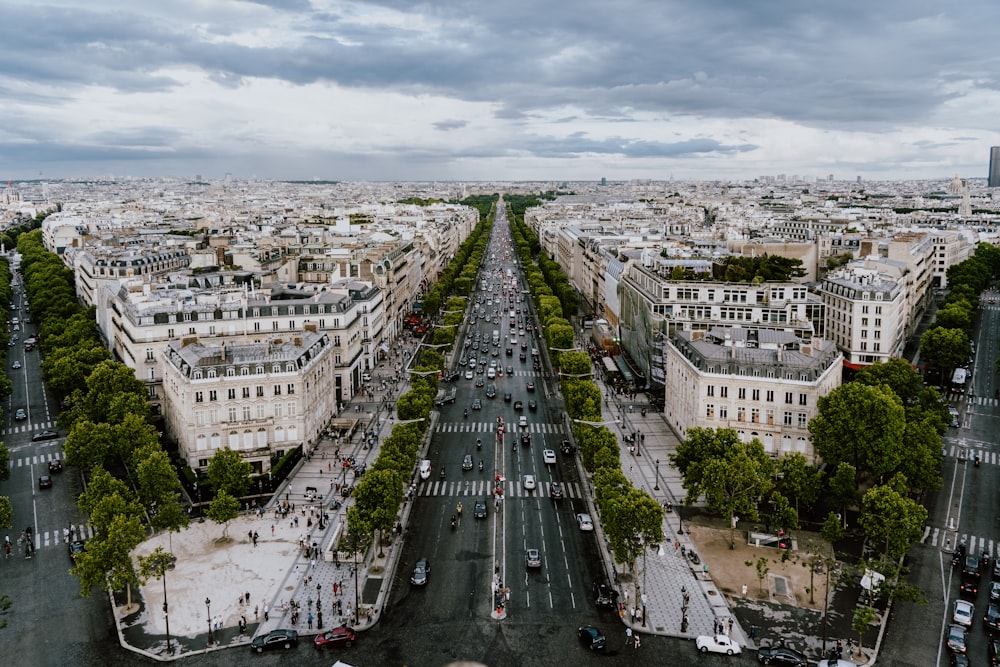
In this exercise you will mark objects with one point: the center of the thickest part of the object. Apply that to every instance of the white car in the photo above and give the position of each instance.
(522, 421)
(529, 482)
(717, 644)
(964, 613)
(469, 374)
(585, 522)
(548, 456)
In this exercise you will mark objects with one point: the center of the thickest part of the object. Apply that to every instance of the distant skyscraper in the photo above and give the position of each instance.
(994, 180)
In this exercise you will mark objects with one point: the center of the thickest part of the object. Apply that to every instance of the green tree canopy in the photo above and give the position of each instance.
(229, 473)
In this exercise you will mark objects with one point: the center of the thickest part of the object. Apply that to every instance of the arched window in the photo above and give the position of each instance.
(196, 375)
(262, 438)
(234, 440)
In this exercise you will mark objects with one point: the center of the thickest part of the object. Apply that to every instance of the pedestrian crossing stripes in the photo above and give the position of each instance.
(945, 539)
(28, 428)
(985, 456)
(37, 459)
(491, 427)
(484, 489)
(986, 401)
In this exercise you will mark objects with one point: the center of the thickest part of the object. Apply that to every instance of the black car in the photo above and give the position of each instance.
(956, 638)
(518, 405)
(993, 648)
(420, 572)
(971, 566)
(522, 356)
(479, 509)
(452, 376)
(555, 490)
(532, 405)
(591, 637)
(781, 655)
(507, 397)
(44, 482)
(604, 595)
(281, 638)
(531, 386)
(44, 435)
(510, 352)
(958, 555)
(55, 466)
(991, 620)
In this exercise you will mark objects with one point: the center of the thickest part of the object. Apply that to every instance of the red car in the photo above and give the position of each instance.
(342, 636)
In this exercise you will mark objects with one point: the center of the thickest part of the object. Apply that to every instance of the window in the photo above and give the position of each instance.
(755, 395)
(770, 396)
(232, 394)
(246, 413)
(711, 390)
(213, 395)
(291, 389)
(741, 414)
(290, 409)
(230, 372)
(244, 371)
(755, 415)
(199, 417)
(724, 392)
(803, 399)
(246, 392)
(149, 354)
(277, 390)
(723, 412)
(788, 419)
(741, 393)
(279, 410)
(260, 391)
(788, 398)
(259, 411)
(802, 420)
(232, 414)
(710, 411)
(770, 416)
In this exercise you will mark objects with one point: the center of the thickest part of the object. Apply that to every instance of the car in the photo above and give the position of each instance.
(491, 391)
(16, 365)
(44, 435)
(341, 636)
(75, 548)
(480, 382)
(995, 591)
(956, 638)
(954, 416)
(477, 404)
(529, 482)
(969, 585)
(585, 522)
(20, 415)
(522, 421)
(567, 447)
(838, 662)
(548, 456)
(532, 558)
(971, 566)
(781, 655)
(591, 637)
(531, 386)
(991, 619)
(506, 397)
(55, 466)
(532, 405)
(451, 377)
(963, 612)
(522, 357)
(518, 405)
(469, 374)
(536, 366)
(510, 370)
(280, 638)
(996, 568)
(467, 462)
(717, 644)
(479, 509)
(44, 482)
(604, 595)
(510, 352)
(993, 649)
(463, 362)
(420, 572)
(555, 490)
(526, 439)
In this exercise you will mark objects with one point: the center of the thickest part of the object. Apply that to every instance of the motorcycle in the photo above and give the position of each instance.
(977, 460)
(459, 509)
(454, 521)
(480, 466)
(442, 475)
(479, 445)
(465, 413)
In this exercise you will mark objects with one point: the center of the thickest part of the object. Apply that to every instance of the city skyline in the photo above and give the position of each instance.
(300, 89)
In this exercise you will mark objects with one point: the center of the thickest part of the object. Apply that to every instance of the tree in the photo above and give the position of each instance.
(762, 569)
(892, 518)
(948, 348)
(4, 461)
(898, 374)
(379, 496)
(732, 482)
(701, 445)
(632, 520)
(862, 425)
(6, 513)
(107, 560)
(229, 473)
(799, 481)
(864, 616)
(955, 316)
(223, 509)
(159, 489)
(88, 444)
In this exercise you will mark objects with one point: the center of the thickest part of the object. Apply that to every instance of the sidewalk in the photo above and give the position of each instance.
(276, 571)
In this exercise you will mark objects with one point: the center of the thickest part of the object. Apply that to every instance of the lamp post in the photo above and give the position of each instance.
(208, 608)
(656, 476)
(356, 602)
(166, 614)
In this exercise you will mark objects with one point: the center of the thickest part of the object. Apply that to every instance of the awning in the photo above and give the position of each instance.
(623, 367)
(609, 365)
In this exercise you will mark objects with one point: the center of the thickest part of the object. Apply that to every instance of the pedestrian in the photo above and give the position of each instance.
(256, 613)
(250, 536)
(241, 599)
(255, 538)
(635, 640)
(744, 590)
(677, 545)
(309, 620)
(840, 649)
(266, 610)
(753, 632)
(246, 596)
(729, 628)
(628, 636)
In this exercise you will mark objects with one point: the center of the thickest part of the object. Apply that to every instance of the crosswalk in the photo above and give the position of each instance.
(25, 427)
(986, 456)
(34, 459)
(55, 538)
(491, 427)
(974, 544)
(484, 489)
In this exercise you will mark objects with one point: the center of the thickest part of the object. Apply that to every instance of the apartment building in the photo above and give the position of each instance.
(762, 382)
(260, 399)
(866, 310)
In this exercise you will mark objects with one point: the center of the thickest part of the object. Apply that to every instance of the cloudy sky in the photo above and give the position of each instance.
(506, 90)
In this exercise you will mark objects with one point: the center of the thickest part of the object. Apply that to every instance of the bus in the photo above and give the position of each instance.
(958, 380)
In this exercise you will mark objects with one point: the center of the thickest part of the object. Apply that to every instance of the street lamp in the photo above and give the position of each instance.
(208, 607)
(412, 421)
(597, 424)
(414, 372)
(656, 476)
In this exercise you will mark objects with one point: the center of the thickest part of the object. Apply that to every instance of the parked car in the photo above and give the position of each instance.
(781, 655)
(717, 644)
(342, 636)
(591, 637)
(420, 572)
(280, 638)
